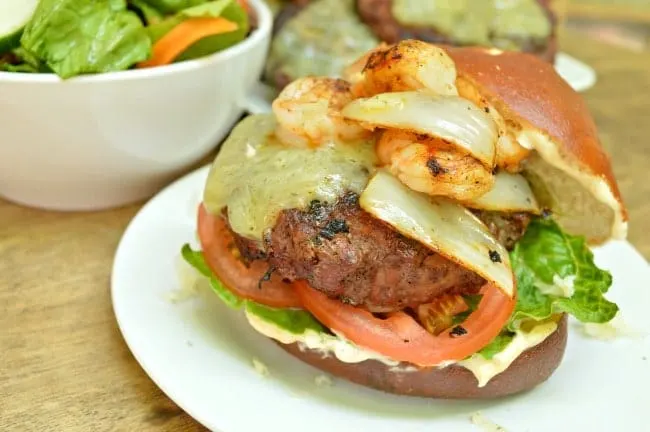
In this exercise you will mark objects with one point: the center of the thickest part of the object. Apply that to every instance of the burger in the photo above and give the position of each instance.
(521, 25)
(420, 227)
(319, 37)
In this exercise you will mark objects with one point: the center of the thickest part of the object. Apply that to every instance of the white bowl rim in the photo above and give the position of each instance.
(263, 30)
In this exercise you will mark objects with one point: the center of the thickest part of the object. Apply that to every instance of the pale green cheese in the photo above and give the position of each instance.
(477, 22)
(325, 37)
(256, 176)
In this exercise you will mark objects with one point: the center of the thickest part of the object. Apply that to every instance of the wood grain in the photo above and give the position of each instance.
(610, 12)
(63, 363)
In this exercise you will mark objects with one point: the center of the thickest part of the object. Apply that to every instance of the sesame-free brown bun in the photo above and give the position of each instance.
(531, 368)
(570, 172)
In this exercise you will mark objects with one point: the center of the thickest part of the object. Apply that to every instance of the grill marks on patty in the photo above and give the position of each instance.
(349, 255)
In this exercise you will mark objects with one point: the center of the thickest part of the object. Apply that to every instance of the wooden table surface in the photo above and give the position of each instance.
(63, 363)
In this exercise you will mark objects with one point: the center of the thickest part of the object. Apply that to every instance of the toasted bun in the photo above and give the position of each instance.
(573, 171)
(531, 368)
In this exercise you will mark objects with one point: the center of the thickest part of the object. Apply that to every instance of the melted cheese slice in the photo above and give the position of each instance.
(510, 193)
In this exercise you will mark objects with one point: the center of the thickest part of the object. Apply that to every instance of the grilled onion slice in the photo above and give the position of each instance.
(445, 227)
(510, 193)
(451, 118)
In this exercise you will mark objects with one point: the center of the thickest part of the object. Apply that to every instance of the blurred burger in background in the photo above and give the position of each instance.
(320, 37)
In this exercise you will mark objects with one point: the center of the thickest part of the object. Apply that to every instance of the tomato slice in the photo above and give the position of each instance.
(233, 273)
(400, 337)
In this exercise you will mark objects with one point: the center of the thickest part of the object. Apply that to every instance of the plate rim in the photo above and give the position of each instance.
(157, 380)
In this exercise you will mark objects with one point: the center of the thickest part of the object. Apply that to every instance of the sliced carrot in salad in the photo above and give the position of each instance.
(184, 35)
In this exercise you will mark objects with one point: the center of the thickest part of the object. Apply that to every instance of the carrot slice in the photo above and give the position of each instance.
(185, 35)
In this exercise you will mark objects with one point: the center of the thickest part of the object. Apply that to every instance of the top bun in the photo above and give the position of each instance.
(570, 172)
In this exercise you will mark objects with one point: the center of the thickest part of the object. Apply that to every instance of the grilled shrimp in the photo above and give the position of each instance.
(433, 166)
(353, 73)
(416, 65)
(407, 65)
(308, 112)
(509, 153)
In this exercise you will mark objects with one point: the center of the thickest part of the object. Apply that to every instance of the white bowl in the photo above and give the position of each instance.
(105, 140)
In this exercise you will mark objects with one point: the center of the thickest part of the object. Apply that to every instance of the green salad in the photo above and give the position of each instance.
(77, 37)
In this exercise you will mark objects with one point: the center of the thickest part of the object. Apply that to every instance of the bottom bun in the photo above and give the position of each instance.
(531, 368)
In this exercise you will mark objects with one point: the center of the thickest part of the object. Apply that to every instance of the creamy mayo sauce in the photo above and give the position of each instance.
(561, 287)
(325, 344)
(483, 369)
(485, 423)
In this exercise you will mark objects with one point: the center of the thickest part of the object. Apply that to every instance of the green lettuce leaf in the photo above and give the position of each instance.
(228, 9)
(497, 345)
(75, 37)
(173, 6)
(21, 61)
(472, 302)
(30, 61)
(17, 68)
(212, 9)
(546, 253)
(212, 44)
(159, 29)
(295, 321)
(150, 14)
(196, 260)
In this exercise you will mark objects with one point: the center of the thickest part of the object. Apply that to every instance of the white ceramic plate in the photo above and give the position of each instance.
(200, 353)
(578, 74)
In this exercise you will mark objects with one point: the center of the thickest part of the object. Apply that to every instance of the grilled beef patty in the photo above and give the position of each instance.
(507, 228)
(349, 255)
